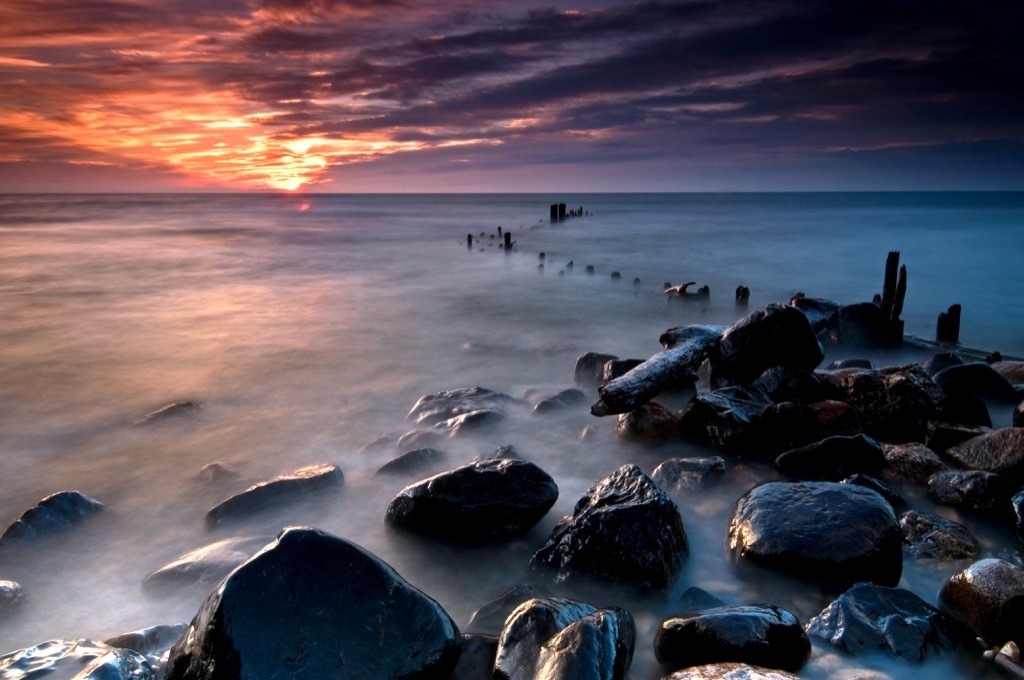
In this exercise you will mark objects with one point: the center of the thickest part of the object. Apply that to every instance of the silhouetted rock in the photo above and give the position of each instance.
(931, 537)
(835, 533)
(869, 618)
(53, 515)
(412, 461)
(977, 378)
(301, 484)
(311, 603)
(76, 660)
(687, 474)
(480, 501)
(589, 371)
(762, 635)
(204, 566)
(833, 458)
(624, 529)
(984, 493)
(1000, 451)
(895, 403)
(651, 424)
(784, 426)
(988, 597)
(774, 335)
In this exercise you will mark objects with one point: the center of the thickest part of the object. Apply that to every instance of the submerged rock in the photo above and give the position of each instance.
(76, 660)
(869, 618)
(988, 597)
(311, 606)
(204, 566)
(624, 529)
(835, 533)
(481, 501)
(929, 536)
(302, 483)
(762, 635)
(53, 515)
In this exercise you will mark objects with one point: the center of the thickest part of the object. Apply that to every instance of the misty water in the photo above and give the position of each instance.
(308, 326)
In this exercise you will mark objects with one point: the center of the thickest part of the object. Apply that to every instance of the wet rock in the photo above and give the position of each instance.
(589, 371)
(412, 461)
(1013, 371)
(965, 410)
(869, 618)
(76, 660)
(834, 533)
(176, 411)
(562, 640)
(53, 515)
(309, 604)
(988, 597)
(878, 486)
(420, 439)
(11, 595)
(724, 418)
(651, 424)
(490, 618)
(481, 501)
(774, 335)
(730, 671)
(476, 660)
(1000, 451)
(833, 458)
(301, 484)
(931, 537)
(910, 463)
(836, 418)
(895, 403)
(470, 422)
(151, 642)
(821, 314)
(204, 566)
(762, 635)
(944, 436)
(441, 408)
(565, 399)
(788, 383)
(784, 426)
(676, 475)
(624, 529)
(616, 368)
(984, 493)
(977, 378)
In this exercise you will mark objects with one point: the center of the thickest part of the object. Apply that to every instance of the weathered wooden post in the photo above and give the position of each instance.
(742, 296)
(469, 240)
(894, 291)
(561, 212)
(947, 327)
(508, 240)
(554, 212)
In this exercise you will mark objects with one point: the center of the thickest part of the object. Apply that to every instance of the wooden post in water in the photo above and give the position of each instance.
(894, 291)
(554, 212)
(469, 240)
(508, 241)
(561, 212)
(947, 327)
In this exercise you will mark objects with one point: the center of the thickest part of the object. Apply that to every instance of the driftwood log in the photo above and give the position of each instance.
(689, 347)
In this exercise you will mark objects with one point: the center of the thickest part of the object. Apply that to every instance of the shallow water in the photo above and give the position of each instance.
(308, 326)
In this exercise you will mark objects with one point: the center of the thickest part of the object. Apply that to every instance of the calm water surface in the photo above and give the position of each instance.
(307, 327)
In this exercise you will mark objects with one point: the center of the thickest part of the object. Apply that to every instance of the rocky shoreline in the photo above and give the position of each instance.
(841, 440)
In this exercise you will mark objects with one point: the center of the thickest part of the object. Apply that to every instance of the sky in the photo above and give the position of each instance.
(456, 96)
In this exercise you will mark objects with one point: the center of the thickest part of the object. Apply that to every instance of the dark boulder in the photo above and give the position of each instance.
(836, 418)
(988, 597)
(833, 458)
(624, 529)
(272, 494)
(834, 533)
(204, 566)
(840, 364)
(761, 635)
(1000, 451)
(589, 371)
(977, 378)
(784, 426)
(910, 463)
(566, 399)
(823, 315)
(412, 461)
(869, 618)
(676, 475)
(789, 383)
(724, 418)
(490, 618)
(774, 335)
(476, 660)
(931, 537)
(983, 493)
(941, 361)
(878, 486)
(481, 501)
(76, 660)
(53, 515)
(1012, 370)
(730, 671)
(965, 410)
(863, 325)
(944, 436)
(561, 640)
(616, 368)
(313, 605)
(694, 599)
(895, 403)
(651, 424)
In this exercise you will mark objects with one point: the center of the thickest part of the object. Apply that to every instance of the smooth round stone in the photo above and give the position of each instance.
(988, 596)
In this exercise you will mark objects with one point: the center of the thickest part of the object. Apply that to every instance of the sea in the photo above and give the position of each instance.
(306, 326)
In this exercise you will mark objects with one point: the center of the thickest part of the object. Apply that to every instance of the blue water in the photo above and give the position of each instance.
(307, 326)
